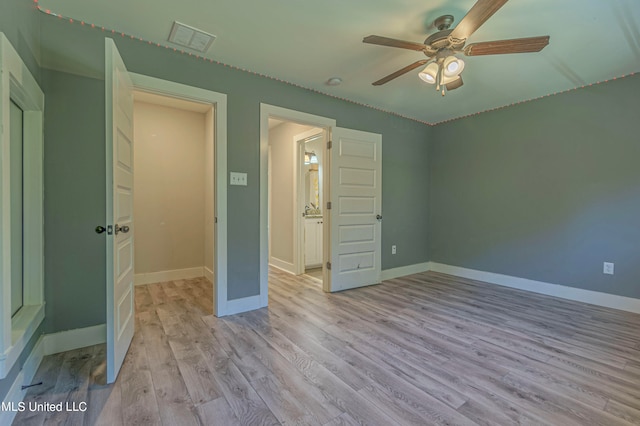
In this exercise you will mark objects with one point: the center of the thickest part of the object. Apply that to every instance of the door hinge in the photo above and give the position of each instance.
(215, 220)
(329, 144)
(328, 205)
(329, 265)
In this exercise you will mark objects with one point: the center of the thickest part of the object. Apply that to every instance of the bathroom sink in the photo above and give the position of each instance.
(313, 213)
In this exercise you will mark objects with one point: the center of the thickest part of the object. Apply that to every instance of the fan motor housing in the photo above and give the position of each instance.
(438, 40)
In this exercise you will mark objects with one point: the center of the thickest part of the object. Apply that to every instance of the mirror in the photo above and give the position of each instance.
(313, 175)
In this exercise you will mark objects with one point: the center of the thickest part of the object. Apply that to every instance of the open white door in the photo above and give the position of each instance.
(119, 131)
(356, 209)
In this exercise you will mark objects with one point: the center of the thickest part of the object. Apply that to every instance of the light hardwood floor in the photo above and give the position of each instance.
(314, 273)
(424, 349)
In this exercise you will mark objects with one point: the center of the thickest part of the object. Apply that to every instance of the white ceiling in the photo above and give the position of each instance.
(307, 42)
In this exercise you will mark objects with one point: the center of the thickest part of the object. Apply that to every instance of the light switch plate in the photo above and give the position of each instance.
(237, 178)
(608, 268)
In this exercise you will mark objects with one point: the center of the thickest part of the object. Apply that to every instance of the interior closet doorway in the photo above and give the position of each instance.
(173, 189)
(120, 226)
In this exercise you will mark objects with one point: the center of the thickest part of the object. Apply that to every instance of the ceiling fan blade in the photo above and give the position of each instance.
(400, 72)
(477, 15)
(454, 84)
(500, 47)
(392, 42)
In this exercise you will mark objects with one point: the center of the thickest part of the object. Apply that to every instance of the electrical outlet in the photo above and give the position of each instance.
(393, 249)
(608, 268)
(236, 178)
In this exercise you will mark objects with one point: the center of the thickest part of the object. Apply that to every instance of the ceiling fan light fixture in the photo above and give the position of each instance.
(428, 75)
(447, 80)
(453, 66)
(428, 78)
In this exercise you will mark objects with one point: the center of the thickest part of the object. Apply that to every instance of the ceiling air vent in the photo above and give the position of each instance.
(190, 37)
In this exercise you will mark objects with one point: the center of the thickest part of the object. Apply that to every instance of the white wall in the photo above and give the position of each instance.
(282, 199)
(169, 183)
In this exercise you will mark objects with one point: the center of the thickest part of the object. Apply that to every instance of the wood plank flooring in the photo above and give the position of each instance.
(424, 349)
(315, 273)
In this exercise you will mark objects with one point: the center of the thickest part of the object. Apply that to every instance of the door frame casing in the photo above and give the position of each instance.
(218, 101)
(271, 111)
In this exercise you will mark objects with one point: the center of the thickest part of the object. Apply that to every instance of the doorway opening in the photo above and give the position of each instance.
(351, 201)
(293, 195)
(296, 168)
(173, 194)
(120, 243)
(310, 208)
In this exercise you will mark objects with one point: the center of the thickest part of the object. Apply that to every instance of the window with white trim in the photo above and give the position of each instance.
(21, 206)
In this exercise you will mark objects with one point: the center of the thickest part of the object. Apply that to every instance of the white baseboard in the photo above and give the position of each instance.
(281, 264)
(16, 394)
(587, 296)
(175, 274)
(74, 339)
(208, 274)
(244, 304)
(389, 274)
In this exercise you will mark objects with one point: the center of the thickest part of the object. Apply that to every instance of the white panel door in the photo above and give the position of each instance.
(356, 209)
(119, 129)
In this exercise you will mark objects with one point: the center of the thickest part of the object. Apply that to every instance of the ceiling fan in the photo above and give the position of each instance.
(444, 67)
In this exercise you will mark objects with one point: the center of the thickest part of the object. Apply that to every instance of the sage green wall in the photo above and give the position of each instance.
(79, 125)
(547, 190)
(74, 201)
(20, 22)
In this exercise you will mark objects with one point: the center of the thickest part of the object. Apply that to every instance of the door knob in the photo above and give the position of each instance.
(124, 229)
(101, 229)
(379, 217)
